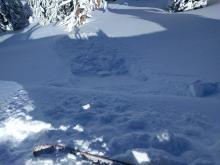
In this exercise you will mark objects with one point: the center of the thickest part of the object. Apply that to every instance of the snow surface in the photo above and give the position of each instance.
(119, 86)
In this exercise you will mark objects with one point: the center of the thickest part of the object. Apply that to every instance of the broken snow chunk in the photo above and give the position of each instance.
(98, 139)
(78, 128)
(86, 107)
(71, 156)
(29, 107)
(164, 136)
(27, 117)
(201, 89)
(105, 146)
(184, 5)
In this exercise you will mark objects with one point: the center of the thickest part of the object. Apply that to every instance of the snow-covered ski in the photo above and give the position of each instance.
(45, 149)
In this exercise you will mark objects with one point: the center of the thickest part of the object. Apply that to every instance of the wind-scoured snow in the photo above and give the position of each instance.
(125, 85)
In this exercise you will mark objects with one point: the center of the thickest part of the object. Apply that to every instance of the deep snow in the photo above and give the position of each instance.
(118, 86)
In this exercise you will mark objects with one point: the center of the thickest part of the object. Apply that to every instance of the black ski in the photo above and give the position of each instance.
(62, 149)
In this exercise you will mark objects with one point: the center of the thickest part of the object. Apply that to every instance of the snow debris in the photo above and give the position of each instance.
(82, 144)
(29, 108)
(71, 156)
(64, 128)
(78, 128)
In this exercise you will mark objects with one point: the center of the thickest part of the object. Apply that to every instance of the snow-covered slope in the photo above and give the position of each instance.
(118, 87)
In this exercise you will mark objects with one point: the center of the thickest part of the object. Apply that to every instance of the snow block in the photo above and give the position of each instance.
(12, 15)
(202, 89)
(184, 5)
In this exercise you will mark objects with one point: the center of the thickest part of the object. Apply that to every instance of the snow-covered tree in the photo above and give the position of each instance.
(70, 13)
(183, 5)
(12, 15)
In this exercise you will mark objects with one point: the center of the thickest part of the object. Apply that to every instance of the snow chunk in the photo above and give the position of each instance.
(86, 107)
(83, 144)
(78, 128)
(63, 128)
(201, 89)
(141, 157)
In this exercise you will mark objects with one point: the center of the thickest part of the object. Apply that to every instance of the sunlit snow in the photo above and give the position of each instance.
(86, 107)
(19, 129)
(141, 157)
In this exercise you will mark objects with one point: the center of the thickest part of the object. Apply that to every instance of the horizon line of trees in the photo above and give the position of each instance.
(15, 14)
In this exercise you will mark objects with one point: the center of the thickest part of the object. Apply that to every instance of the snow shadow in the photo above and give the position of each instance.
(156, 4)
(186, 41)
(21, 35)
